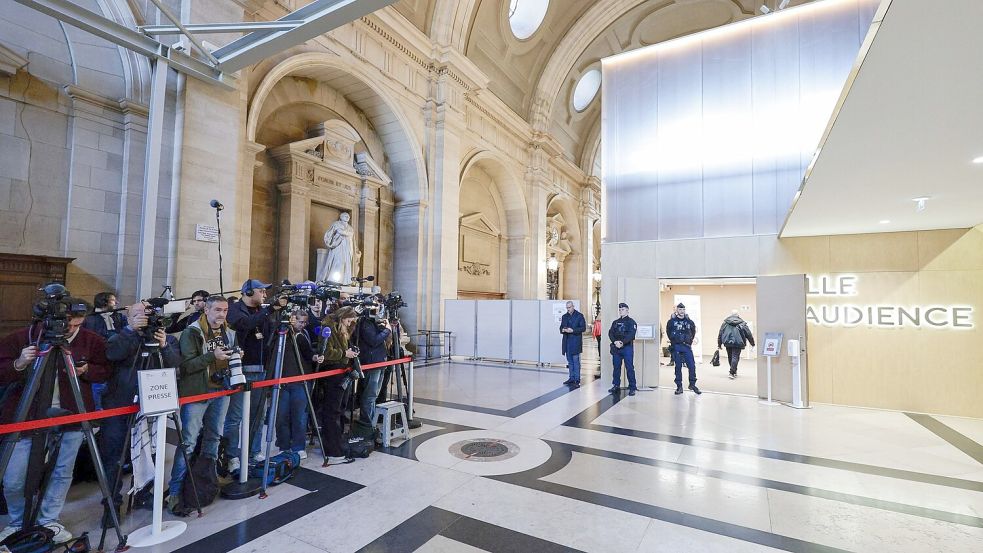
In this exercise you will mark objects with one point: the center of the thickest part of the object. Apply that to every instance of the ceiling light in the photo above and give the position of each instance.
(978, 160)
(920, 202)
(884, 221)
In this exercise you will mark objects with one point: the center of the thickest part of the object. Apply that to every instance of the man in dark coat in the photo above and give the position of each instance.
(622, 336)
(681, 331)
(734, 335)
(572, 327)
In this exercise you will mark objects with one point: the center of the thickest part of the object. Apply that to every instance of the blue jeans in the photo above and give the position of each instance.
(61, 480)
(626, 354)
(291, 420)
(684, 354)
(232, 420)
(111, 438)
(207, 416)
(573, 366)
(372, 383)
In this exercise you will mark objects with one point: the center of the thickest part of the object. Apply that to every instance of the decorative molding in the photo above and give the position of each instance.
(11, 62)
(479, 223)
(475, 269)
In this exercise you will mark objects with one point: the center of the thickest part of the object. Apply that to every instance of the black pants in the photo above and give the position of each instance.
(734, 357)
(332, 402)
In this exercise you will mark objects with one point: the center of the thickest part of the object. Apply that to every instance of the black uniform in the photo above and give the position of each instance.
(623, 329)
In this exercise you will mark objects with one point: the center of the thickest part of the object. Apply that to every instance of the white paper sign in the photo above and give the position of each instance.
(645, 332)
(559, 309)
(158, 391)
(206, 233)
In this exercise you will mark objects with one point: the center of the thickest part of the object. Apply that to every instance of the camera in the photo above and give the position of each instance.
(234, 371)
(55, 308)
(160, 315)
(391, 305)
(304, 295)
(355, 374)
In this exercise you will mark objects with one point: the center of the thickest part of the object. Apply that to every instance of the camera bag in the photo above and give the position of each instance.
(282, 467)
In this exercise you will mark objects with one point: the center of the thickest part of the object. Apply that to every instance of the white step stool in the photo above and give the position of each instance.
(388, 426)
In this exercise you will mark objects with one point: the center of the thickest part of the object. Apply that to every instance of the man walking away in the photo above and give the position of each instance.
(572, 327)
(734, 335)
(681, 331)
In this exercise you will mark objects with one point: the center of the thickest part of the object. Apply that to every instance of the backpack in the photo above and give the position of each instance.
(359, 447)
(282, 467)
(39, 540)
(205, 482)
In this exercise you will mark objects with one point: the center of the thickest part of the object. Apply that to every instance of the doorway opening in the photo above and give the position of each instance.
(709, 303)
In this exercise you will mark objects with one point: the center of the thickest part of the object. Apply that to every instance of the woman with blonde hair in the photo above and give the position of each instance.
(338, 354)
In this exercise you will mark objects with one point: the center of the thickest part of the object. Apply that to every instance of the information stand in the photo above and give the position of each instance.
(772, 348)
(158, 398)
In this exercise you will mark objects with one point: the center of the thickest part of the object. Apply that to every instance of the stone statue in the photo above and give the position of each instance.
(338, 265)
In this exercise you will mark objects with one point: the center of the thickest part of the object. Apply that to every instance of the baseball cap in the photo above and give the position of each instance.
(253, 284)
(622, 305)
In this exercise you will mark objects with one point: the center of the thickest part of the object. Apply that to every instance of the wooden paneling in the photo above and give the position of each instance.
(20, 278)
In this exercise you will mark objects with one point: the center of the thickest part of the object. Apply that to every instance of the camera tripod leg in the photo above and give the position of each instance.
(277, 373)
(116, 482)
(90, 438)
(26, 399)
(310, 401)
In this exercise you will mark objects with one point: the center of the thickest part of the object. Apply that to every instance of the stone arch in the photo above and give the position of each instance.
(517, 234)
(574, 270)
(452, 22)
(402, 148)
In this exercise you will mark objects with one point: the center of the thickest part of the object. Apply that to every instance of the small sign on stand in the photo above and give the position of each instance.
(158, 398)
(772, 348)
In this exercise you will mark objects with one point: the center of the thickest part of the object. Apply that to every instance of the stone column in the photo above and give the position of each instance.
(368, 229)
(250, 164)
(296, 177)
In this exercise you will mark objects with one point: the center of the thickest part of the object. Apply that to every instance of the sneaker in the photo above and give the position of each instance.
(631, 391)
(679, 391)
(259, 458)
(7, 531)
(61, 534)
(694, 388)
(575, 384)
(614, 389)
(302, 454)
(233, 465)
(338, 461)
(569, 381)
(732, 376)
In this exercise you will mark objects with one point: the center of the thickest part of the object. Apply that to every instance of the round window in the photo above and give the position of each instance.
(525, 16)
(586, 89)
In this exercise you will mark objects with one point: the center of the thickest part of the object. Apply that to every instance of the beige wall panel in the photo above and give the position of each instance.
(732, 256)
(793, 255)
(822, 354)
(854, 253)
(946, 250)
(679, 258)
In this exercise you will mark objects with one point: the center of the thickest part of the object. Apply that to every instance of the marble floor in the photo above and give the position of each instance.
(508, 459)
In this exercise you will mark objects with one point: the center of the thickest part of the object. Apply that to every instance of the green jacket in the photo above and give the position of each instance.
(197, 364)
(334, 352)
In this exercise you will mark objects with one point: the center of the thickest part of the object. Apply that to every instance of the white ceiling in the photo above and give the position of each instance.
(909, 125)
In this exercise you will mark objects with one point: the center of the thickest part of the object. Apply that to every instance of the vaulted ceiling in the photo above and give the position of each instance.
(536, 77)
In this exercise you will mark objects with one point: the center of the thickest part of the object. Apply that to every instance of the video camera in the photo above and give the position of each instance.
(55, 307)
(305, 294)
(160, 314)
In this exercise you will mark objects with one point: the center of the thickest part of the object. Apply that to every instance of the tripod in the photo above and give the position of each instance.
(148, 357)
(44, 375)
(404, 389)
(283, 330)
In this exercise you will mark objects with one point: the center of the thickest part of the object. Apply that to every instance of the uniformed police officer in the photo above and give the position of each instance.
(681, 331)
(622, 334)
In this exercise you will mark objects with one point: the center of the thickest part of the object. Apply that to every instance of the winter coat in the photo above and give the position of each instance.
(304, 348)
(681, 332)
(105, 323)
(371, 341)
(121, 351)
(573, 342)
(334, 348)
(198, 362)
(622, 329)
(86, 345)
(247, 322)
(734, 333)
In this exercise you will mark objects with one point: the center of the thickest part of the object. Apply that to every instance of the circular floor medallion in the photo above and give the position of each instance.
(484, 450)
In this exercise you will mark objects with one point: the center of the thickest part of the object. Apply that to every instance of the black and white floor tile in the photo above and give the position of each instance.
(509, 460)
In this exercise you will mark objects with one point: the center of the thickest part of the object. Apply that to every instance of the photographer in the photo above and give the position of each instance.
(190, 315)
(337, 355)
(291, 421)
(18, 352)
(123, 351)
(105, 320)
(252, 322)
(371, 334)
(205, 353)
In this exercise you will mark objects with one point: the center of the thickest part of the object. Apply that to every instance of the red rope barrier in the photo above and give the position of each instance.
(118, 411)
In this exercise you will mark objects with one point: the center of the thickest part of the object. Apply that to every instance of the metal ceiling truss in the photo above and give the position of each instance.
(263, 39)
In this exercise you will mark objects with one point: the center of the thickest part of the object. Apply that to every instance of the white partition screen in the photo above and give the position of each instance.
(494, 329)
(525, 330)
(550, 346)
(459, 319)
(710, 134)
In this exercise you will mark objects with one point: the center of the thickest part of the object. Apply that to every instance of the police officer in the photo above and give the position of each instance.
(622, 334)
(681, 331)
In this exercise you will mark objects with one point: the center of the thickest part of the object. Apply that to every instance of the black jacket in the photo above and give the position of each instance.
(306, 351)
(371, 342)
(105, 323)
(121, 351)
(734, 333)
(247, 321)
(680, 331)
(623, 330)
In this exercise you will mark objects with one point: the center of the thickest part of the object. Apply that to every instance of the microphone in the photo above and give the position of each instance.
(325, 334)
(369, 278)
(216, 204)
